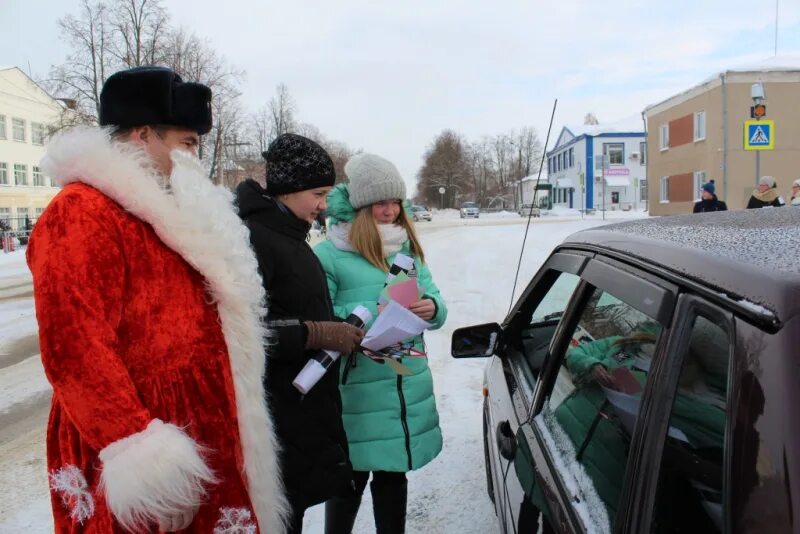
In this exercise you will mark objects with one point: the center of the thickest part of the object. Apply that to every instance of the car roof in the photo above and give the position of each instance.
(750, 256)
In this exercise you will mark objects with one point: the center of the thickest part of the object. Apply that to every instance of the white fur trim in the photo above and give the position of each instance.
(149, 475)
(70, 483)
(197, 220)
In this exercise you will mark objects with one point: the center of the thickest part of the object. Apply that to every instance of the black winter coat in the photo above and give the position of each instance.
(755, 203)
(315, 460)
(714, 204)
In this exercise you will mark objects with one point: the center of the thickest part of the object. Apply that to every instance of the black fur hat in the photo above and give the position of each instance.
(152, 96)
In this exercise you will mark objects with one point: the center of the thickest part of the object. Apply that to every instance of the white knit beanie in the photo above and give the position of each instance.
(769, 181)
(373, 179)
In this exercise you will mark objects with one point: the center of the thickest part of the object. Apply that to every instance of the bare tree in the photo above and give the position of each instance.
(140, 27)
(260, 128)
(282, 109)
(528, 155)
(89, 61)
(193, 59)
(590, 119)
(445, 165)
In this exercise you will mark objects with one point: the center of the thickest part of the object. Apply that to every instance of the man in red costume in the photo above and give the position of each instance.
(150, 313)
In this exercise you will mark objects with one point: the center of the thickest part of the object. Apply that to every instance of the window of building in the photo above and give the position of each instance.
(3, 127)
(549, 165)
(20, 174)
(39, 212)
(615, 152)
(23, 217)
(642, 153)
(571, 157)
(5, 214)
(664, 190)
(663, 136)
(699, 180)
(18, 129)
(700, 126)
(37, 133)
(3, 173)
(642, 190)
(38, 177)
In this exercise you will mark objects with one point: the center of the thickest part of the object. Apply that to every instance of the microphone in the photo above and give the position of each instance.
(315, 368)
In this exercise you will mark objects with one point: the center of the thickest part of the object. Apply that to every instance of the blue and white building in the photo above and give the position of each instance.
(575, 166)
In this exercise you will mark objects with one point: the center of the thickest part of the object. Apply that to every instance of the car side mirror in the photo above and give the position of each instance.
(478, 341)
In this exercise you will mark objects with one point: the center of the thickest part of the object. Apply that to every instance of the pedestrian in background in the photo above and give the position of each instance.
(709, 201)
(766, 195)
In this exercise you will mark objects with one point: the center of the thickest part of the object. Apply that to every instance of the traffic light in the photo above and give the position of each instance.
(759, 111)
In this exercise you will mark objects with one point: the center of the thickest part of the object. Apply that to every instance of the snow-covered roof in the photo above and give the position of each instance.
(631, 124)
(779, 63)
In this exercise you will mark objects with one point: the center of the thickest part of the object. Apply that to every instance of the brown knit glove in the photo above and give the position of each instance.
(340, 337)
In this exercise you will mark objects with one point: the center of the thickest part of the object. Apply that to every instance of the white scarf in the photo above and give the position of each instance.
(392, 236)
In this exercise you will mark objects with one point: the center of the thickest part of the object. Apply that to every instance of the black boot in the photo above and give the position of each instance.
(340, 514)
(389, 505)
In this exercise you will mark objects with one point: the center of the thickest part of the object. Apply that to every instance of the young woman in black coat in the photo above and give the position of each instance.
(315, 462)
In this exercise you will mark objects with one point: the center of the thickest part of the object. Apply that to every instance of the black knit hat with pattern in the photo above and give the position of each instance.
(296, 163)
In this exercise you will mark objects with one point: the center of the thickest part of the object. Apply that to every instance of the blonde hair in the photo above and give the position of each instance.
(366, 239)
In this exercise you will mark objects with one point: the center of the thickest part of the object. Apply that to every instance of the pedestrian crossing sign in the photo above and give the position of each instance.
(759, 135)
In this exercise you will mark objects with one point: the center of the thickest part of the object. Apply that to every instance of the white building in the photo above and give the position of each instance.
(26, 113)
(576, 171)
(532, 184)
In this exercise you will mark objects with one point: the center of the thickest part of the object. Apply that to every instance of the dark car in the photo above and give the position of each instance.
(647, 381)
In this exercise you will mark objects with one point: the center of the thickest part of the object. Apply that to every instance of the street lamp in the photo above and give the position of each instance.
(441, 197)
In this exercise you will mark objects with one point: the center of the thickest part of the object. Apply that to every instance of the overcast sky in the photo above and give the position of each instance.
(386, 77)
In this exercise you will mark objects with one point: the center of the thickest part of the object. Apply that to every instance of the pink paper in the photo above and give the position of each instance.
(404, 293)
(625, 381)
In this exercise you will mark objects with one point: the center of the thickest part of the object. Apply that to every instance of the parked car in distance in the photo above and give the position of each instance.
(646, 377)
(470, 209)
(527, 209)
(421, 213)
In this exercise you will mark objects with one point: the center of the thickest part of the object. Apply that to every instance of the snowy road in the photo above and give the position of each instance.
(473, 262)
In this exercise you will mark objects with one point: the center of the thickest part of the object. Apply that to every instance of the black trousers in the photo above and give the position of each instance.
(383, 478)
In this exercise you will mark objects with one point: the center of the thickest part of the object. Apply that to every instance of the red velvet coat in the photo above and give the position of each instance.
(149, 308)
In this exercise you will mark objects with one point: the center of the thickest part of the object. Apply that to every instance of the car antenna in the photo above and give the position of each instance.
(533, 202)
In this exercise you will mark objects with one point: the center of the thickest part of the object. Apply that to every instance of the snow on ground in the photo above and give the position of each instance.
(473, 262)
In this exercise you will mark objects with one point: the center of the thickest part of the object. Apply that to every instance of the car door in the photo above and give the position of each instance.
(511, 377)
(588, 395)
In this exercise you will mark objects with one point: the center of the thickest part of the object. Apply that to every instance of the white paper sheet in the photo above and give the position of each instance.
(393, 325)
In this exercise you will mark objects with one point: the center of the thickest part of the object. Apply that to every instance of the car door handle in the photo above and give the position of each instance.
(506, 442)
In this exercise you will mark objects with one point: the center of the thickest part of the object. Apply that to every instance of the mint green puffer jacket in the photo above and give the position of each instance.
(391, 421)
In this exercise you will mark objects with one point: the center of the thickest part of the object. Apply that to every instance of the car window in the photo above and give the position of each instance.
(689, 495)
(588, 416)
(535, 338)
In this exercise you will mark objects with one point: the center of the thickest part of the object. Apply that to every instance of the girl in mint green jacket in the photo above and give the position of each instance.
(391, 420)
